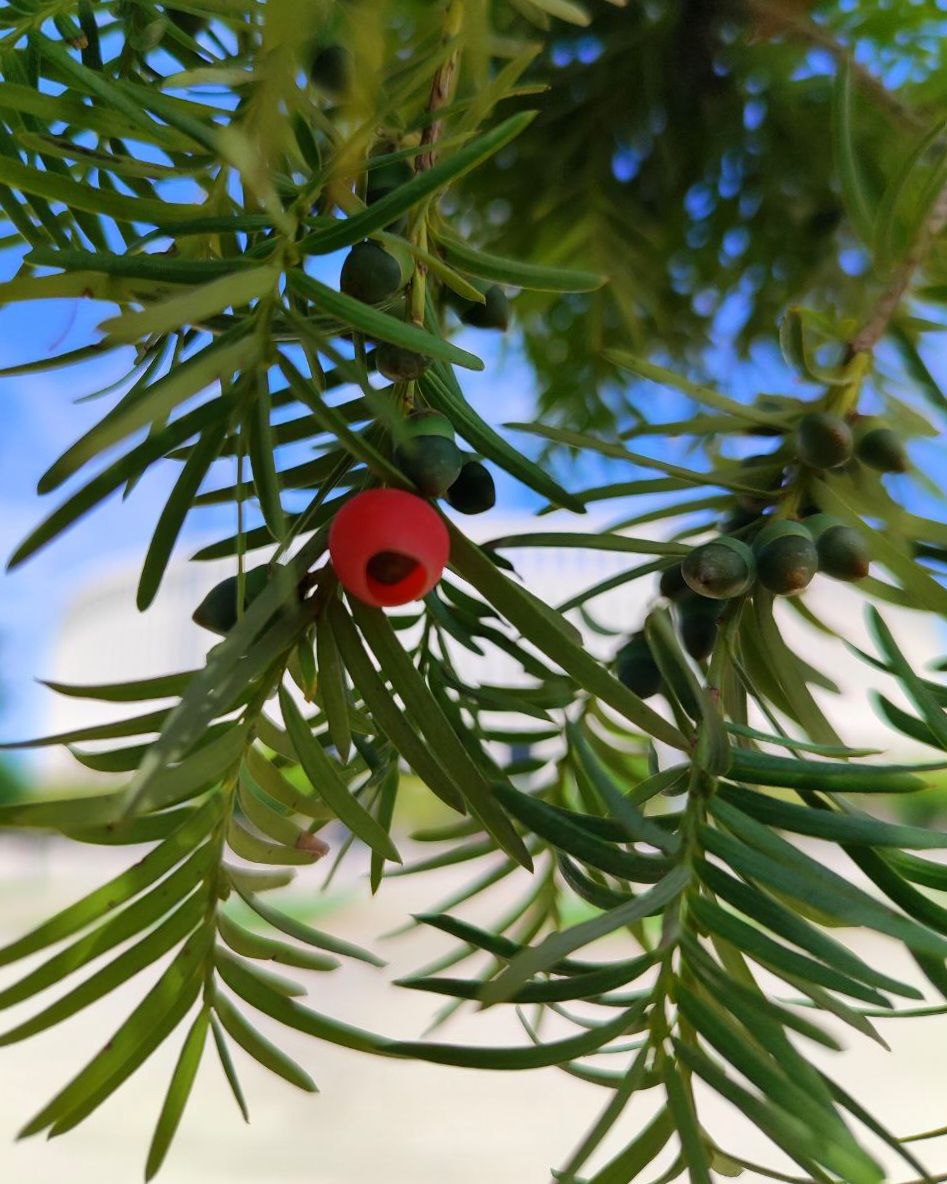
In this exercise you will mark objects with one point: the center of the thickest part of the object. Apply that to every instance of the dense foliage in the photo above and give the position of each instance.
(617, 175)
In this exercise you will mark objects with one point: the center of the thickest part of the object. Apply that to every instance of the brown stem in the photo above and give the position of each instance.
(442, 87)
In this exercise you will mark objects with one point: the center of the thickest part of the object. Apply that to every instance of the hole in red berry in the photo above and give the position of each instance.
(390, 567)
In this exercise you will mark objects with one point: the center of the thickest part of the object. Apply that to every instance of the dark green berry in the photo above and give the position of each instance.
(786, 558)
(738, 520)
(636, 668)
(218, 610)
(697, 625)
(386, 178)
(474, 491)
(719, 569)
(766, 476)
(824, 440)
(370, 274)
(425, 422)
(331, 70)
(432, 463)
(399, 364)
(494, 313)
(881, 448)
(672, 584)
(842, 551)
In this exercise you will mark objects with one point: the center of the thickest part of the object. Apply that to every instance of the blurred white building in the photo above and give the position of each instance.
(103, 638)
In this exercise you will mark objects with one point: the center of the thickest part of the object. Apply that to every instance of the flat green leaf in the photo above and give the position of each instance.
(858, 204)
(537, 959)
(219, 360)
(174, 929)
(791, 926)
(389, 208)
(226, 1063)
(163, 686)
(435, 727)
(786, 869)
(192, 307)
(260, 449)
(257, 1046)
(76, 195)
(148, 1025)
(327, 782)
(763, 768)
(127, 884)
(377, 324)
(300, 930)
(254, 945)
(681, 1106)
(331, 689)
(171, 519)
(115, 929)
(531, 276)
(385, 713)
(535, 1056)
(826, 824)
(253, 989)
(471, 563)
(273, 783)
(182, 1081)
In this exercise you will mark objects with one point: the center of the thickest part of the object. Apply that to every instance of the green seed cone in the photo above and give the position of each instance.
(737, 520)
(386, 178)
(786, 558)
(720, 569)
(370, 274)
(881, 448)
(697, 625)
(428, 423)
(824, 441)
(432, 463)
(218, 610)
(494, 313)
(331, 70)
(767, 476)
(816, 524)
(672, 584)
(636, 669)
(474, 491)
(399, 364)
(843, 554)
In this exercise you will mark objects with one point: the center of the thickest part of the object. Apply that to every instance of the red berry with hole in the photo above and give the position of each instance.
(388, 547)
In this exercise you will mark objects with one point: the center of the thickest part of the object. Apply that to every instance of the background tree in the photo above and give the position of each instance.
(624, 173)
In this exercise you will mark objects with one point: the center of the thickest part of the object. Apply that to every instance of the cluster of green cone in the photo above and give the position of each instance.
(754, 547)
(430, 458)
